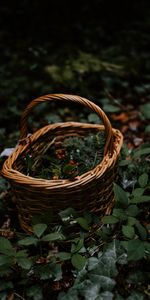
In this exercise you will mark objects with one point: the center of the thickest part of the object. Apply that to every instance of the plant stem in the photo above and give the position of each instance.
(20, 297)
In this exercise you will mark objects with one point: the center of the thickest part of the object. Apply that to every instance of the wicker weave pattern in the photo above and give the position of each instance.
(92, 191)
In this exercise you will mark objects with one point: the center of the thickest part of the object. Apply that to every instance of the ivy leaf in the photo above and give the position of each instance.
(24, 263)
(142, 231)
(105, 296)
(78, 261)
(39, 229)
(35, 292)
(111, 108)
(3, 185)
(21, 253)
(92, 263)
(54, 236)
(93, 118)
(128, 231)
(143, 180)
(106, 283)
(131, 221)
(147, 128)
(107, 262)
(141, 152)
(133, 210)
(6, 247)
(48, 271)
(119, 213)
(5, 285)
(145, 109)
(83, 223)
(141, 199)
(147, 248)
(28, 241)
(110, 220)
(70, 295)
(120, 195)
(64, 255)
(67, 213)
(77, 244)
(135, 250)
(135, 296)
(6, 260)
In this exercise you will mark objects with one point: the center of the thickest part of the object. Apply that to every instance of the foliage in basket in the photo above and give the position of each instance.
(74, 157)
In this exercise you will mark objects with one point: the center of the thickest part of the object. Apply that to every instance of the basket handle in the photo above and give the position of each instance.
(69, 98)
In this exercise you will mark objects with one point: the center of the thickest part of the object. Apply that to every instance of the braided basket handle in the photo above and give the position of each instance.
(69, 98)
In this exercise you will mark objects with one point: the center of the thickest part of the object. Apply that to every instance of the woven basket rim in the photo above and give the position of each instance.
(20, 178)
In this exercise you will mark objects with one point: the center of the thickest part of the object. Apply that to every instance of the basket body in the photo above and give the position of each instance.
(91, 192)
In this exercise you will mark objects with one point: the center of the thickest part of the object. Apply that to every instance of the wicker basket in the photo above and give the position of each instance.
(92, 191)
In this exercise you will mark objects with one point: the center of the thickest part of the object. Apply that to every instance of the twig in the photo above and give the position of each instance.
(20, 297)
(115, 101)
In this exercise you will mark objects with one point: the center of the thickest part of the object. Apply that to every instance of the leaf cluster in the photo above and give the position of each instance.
(76, 156)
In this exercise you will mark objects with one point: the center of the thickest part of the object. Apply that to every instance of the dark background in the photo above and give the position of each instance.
(58, 46)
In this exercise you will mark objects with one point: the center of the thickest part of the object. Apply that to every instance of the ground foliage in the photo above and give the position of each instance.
(107, 61)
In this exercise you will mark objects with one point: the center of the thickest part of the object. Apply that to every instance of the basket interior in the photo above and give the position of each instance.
(38, 146)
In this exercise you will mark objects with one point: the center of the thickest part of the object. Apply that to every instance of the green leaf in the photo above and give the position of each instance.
(105, 296)
(111, 108)
(83, 223)
(110, 220)
(147, 249)
(136, 296)
(131, 221)
(45, 218)
(133, 210)
(69, 169)
(39, 229)
(142, 231)
(124, 163)
(147, 129)
(88, 290)
(28, 241)
(93, 118)
(128, 231)
(5, 285)
(64, 255)
(77, 244)
(119, 213)
(141, 152)
(141, 199)
(106, 283)
(24, 263)
(6, 260)
(67, 213)
(138, 192)
(78, 261)
(145, 109)
(70, 295)
(137, 195)
(135, 250)
(107, 262)
(137, 277)
(48, 271)
(120, 195)
(21, 253)
(143, 180)
(34, 292)
(54, 236)
(3, 295)
(3, 184)
(92, 263)
(6, 247)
